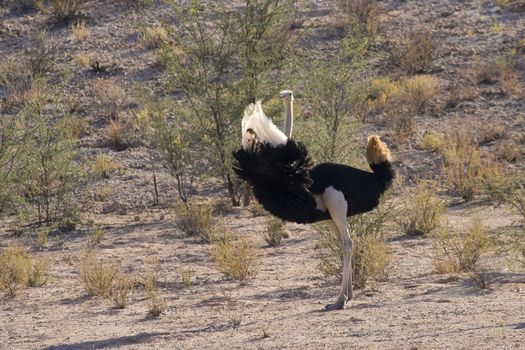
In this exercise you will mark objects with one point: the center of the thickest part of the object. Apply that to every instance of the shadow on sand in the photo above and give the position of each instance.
(111, 343)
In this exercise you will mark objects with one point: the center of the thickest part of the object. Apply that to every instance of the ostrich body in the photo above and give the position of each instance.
(288, 186)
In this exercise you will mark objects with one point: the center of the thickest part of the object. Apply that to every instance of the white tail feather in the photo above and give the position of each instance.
(266, 131)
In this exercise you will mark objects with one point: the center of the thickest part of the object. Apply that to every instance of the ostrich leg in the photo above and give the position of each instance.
(336, 204)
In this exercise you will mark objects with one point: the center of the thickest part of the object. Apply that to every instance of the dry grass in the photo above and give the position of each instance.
(187, 276)
(275, 232)
(508, 151)
(67, 10)
(156, 306)
(96, 274)
(459, 252)
(462, 167)
(197, 220)
(416, 53)
(84, 60)
(433, 141)
(154, 37)
(382, 90)
(96, 235)
(120, 290)
(424, 211)
(16, 80)
(18, 270)
(111, 98)
(236, 259)
(79, 32)
(417, 91)
(117, 135)
(104, 165)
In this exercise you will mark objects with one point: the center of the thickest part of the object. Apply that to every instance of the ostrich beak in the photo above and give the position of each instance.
(285, 93)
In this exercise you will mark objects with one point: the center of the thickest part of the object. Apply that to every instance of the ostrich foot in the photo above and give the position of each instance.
(338, 305)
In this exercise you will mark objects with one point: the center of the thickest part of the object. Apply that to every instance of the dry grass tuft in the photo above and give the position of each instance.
(117, 135)
(459, 252)
(416, 92)
(65, 11)
(433, 141)
(111, 98)
(197, 220)
(275, 232)
(18, 270)
(96, 235)
(120, 290)
(236, 259)
(156, 306)
(79, 32)
(416, 53)
(104, 165)
(424, 211)
(96, 274)
(154, 37)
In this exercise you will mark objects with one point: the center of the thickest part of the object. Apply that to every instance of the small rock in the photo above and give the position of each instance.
(161, 218)
(494, 9)
(136, 218)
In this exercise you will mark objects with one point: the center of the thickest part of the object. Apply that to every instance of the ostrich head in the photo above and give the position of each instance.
(286, 95)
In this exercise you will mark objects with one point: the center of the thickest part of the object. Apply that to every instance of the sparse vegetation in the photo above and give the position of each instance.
(104, 165)
(96, 274)
(79, 31)
(65, 11)
(120, 290)
(18, 270)
(156, 306)
(460, 252)
(198, 220)
(236, 259)
(96, 235)
(154, 37)
(370, 254)
(424, 211)
(416, 53)
(275, 232)
(433, 141)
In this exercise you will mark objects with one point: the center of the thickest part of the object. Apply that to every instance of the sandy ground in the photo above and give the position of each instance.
(281, 308)
(414, 308)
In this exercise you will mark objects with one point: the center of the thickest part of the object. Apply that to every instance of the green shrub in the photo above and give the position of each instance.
(236, 259)
(424, 211)
(275, 232)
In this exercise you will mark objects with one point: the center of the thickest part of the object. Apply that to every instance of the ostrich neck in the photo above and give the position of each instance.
(288, 123)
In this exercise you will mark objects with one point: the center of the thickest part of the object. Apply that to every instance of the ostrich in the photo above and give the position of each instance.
(288, 186)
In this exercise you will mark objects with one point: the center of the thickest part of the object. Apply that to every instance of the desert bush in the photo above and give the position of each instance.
(417, 91)
(382, 91)
(42, 237)
(104, 165)
(96, 235)
(459, 252)
(416, 53)
(156, 306)
(18, 270)
(79, 31)
(491, 133)
(402, 126)
(84, 59)
(462, 167)
(275, 232)
(424, 211)
(154, 37)
(198, 220)
(501, 68)
(96, 274)
(52, 172)
(67, 10)
(117, 135)
(334, 94)
(507, 150)
(433, 141)
(186, 276)
(173, 138)
(236, 259)
(201, 60)
(111, 98)
(120, 290)
(16, 80)
(370, 254)
(362, 18)
(508, 189)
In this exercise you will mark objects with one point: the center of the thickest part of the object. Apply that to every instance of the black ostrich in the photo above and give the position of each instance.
(285, 183)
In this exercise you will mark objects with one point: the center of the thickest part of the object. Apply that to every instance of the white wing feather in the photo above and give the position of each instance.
(266, 131)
